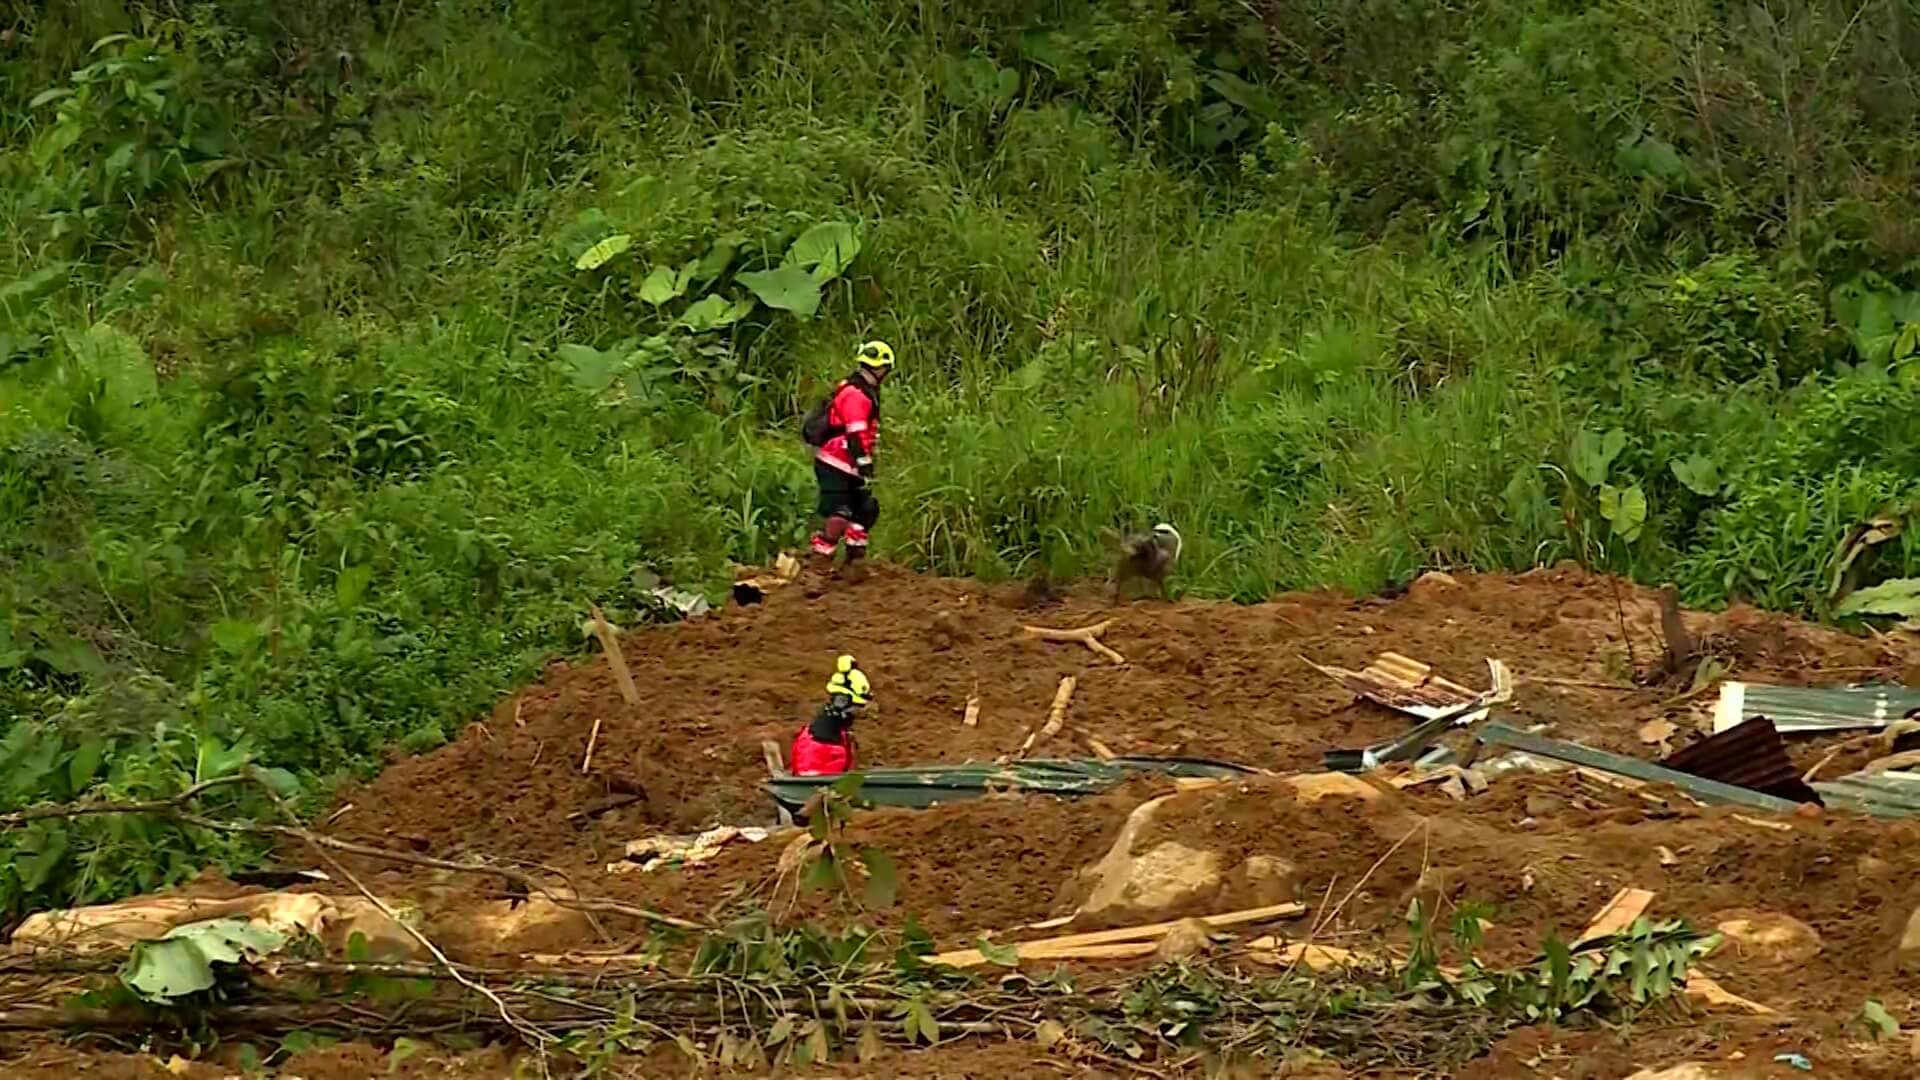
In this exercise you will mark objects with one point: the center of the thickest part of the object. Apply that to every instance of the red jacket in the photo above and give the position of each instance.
(855, 412)
(811, 757)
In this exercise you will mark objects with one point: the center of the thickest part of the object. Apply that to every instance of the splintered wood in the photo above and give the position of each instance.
(1618, 916)
(610, 644)
(1086, 635)
(603, 630)
(1057, 712)
(1056, 716)
(1124, 943)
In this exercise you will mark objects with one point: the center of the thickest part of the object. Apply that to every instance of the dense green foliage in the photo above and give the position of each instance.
(347, 348)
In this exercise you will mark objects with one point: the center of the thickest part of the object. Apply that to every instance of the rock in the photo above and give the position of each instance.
(527, 926)
(1433, 583)
(1264, 880)
(1541, 805)
(1909, 951)
(945, 630)
(1189, 937)
(1313, 787)
(1163, 877)
(1767, 938)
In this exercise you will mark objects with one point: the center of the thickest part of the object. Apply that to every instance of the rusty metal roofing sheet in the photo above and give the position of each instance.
(1749, 755)
(1405, 684)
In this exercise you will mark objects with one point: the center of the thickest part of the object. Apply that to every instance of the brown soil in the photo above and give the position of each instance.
(1541, 852)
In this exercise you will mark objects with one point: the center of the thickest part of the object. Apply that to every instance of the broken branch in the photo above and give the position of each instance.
(1057, 712)
(1143, 939)
(1086, 635)
(593, 738)
(174, 808)
(1056, 716)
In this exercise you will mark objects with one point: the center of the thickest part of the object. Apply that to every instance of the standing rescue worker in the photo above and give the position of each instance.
(844, 431)
(825, 746)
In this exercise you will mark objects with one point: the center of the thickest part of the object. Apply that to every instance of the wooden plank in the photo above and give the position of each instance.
(1120, 950)
(1627, 905)
(1046, 948)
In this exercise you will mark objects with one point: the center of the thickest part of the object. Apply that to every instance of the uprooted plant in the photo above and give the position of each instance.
(827, 860)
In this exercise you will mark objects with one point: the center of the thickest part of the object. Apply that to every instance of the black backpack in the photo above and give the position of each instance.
(814, 426)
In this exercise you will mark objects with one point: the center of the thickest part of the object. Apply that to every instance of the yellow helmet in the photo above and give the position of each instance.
(877, 354)
(848, 679)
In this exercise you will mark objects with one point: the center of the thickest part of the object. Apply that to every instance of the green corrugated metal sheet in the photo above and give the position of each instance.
(920, 786)
(1888, 794)
(1709, 791)
(1802, 708)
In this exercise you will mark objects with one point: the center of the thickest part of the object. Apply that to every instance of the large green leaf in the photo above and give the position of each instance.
(236, 636)
(716, 260)
(591, 369)
(788, 288)
(1593, 454)
(664, 283)
(1624, 508)
(603, 252)
(826, 249)
(1901, 597)
(1698, 472)
(181, 963)
(714, 311)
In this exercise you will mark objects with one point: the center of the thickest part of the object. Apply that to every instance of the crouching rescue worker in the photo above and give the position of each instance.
(825, 746)
(844, 431)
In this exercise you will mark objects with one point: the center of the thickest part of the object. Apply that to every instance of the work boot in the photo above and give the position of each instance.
(856, 569)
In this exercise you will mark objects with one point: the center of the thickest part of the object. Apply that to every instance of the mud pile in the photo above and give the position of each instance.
(1202, 679)
(1816, 907)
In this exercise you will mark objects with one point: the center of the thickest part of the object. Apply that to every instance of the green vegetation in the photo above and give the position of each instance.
(348, 347)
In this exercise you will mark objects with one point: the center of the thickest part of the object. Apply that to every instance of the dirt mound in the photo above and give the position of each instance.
(1533, 856)
(1203, 679)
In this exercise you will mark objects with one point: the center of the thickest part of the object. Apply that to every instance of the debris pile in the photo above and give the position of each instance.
(1377, 807)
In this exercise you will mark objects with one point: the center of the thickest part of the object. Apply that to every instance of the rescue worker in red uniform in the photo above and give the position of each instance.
(825, 746)
(843, 460)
